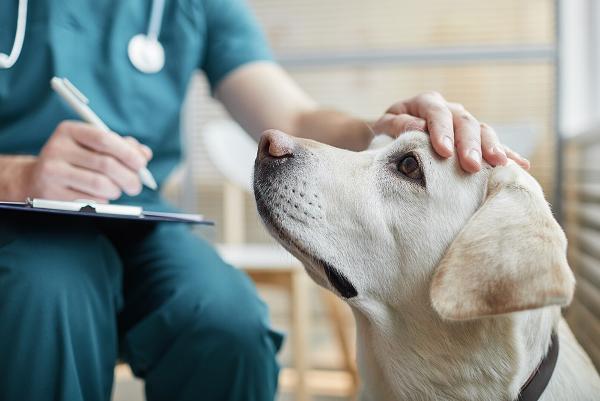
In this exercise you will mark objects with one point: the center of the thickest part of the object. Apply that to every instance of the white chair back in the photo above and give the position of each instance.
(231, 150)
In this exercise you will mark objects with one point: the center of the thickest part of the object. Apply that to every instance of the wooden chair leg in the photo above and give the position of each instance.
(234, 218)
(300, 312)
(338, 319)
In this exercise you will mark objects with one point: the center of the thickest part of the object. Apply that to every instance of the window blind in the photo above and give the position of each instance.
(582, 193)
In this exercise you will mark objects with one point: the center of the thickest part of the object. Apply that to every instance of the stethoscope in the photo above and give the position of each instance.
(144, 50)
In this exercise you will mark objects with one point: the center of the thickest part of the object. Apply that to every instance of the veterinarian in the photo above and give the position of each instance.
(75, 297)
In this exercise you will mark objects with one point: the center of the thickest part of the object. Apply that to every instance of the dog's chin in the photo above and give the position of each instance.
(321, 271)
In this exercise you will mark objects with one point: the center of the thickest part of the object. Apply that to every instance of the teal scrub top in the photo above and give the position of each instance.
(86, 41)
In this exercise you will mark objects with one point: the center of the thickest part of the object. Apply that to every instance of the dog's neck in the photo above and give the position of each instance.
(411, 354)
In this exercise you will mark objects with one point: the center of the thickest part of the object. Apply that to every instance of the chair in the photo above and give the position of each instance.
(232, 152)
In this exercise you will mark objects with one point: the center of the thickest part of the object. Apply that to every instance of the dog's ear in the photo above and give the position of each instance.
(511, 255)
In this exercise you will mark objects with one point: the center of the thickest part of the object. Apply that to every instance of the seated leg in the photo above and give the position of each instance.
(193, 327)
(59, 293)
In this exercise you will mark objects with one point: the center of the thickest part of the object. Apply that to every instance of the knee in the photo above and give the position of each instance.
(237, 324)
(242, 333)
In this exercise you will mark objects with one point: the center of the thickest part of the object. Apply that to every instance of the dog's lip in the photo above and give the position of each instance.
(288, 239)
(336, 279)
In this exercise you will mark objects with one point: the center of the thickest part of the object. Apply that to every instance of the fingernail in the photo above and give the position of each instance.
(498, 150)
(134, 189)
(448, 143)
(475, 156)
(148, 150)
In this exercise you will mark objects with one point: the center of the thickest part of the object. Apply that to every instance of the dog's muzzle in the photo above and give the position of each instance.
(288, 202)
(284, 195)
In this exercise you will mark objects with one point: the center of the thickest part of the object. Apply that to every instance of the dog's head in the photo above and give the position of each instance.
(396, 221)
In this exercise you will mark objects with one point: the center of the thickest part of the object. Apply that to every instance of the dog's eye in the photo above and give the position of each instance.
(409, 166)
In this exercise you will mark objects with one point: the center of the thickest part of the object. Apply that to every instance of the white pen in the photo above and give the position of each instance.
(79, 103)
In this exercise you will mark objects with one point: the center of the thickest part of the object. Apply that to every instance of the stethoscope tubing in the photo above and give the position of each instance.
(8, 60)
(155, 23)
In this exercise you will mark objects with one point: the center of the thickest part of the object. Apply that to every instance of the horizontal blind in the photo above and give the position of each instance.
(334, 25)
(582, 201)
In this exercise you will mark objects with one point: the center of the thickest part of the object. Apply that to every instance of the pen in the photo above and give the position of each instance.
(79, 103)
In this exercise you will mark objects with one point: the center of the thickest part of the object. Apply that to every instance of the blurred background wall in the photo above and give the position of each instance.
(496, 57)
(579, 133)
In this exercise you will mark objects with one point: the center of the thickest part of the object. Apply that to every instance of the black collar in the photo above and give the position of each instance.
(534, 387)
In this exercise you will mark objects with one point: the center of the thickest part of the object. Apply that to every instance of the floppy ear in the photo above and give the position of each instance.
(511, 255)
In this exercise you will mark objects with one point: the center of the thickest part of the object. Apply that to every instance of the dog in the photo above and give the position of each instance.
(456, 280)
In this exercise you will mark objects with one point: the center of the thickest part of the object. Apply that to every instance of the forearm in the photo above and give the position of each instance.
(334, 128)
(14, 171)
(262, 96)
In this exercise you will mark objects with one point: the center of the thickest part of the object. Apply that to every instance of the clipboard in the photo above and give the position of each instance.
(90, 209)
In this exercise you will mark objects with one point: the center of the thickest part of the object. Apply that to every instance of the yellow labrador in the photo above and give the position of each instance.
(456, 280)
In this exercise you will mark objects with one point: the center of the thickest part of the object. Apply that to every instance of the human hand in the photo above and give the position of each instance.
(82, 162)
(450, 126)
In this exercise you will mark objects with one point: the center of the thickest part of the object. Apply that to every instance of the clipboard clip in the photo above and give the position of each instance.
(85, 206)
(90, 207)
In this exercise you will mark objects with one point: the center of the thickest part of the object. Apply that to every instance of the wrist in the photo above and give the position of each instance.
(369, 133)
(16, 174)
(362, 134)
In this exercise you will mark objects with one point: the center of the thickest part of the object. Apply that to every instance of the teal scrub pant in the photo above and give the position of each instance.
(76, 295)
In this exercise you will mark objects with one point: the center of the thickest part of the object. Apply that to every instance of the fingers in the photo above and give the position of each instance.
(517, 158)
(97, 185)
(474, 140)
(395, 124)
(87, 161)
(67, 180)
(434, 108)
(468, 138)
(109, 143)
(493, 151)
(70, 195)
(67, 194)
(125, 178)
(145, 150)
(449, 126)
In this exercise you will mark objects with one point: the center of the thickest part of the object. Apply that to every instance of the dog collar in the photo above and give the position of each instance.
(536, 384)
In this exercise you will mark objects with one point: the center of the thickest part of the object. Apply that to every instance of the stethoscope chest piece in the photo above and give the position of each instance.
(146, 54)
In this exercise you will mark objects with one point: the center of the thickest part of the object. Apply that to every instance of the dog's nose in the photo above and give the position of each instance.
(275, 144)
